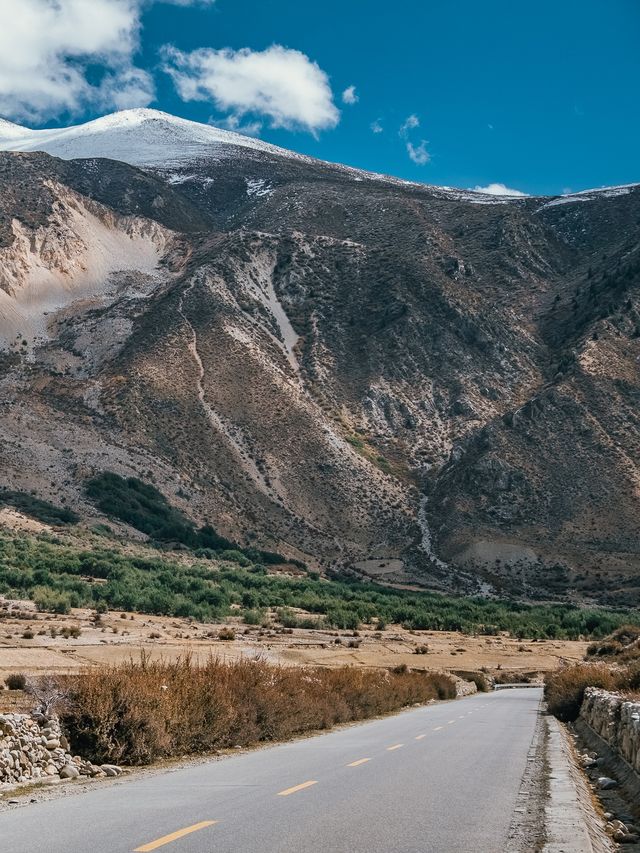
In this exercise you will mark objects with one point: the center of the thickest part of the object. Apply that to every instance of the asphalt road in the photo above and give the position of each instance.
(437, 779)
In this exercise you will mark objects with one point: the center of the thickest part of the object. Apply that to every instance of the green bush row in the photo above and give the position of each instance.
(57, 576)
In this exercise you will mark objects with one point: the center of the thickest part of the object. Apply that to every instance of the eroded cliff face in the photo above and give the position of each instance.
(85, 254)
(354, 371)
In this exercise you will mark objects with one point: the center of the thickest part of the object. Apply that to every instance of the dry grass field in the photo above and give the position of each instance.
(38, 643)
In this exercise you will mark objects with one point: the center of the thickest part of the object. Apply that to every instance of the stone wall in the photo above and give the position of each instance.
(33, 748)
(616, 720)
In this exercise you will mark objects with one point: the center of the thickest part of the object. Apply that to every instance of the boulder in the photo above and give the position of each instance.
(69, 771)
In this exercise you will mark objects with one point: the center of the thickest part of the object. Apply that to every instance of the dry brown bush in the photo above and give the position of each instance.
(16, 681)
(564, 688)
(135, 713)
(617, 669)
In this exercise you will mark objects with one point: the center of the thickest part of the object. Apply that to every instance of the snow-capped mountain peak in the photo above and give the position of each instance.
(141, 137)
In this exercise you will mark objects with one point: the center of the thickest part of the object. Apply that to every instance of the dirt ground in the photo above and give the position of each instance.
(37, 643)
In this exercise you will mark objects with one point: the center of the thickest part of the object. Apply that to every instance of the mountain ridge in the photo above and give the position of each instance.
(368, 375)
(60, 142)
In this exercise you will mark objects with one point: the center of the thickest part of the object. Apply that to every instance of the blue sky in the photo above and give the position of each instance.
(541, 96)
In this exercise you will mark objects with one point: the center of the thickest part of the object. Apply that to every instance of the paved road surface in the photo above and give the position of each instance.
(438, 779)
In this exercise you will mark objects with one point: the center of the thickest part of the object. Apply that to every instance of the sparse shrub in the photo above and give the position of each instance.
(252, 617)
(50, 601)
(226, 634)
(421, 650)
(27, 634)
(479, 680)
(16, 681)
(154, 635)
(50, 692)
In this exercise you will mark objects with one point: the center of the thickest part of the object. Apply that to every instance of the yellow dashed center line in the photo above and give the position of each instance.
(419, 737)
(437, 728)
(395, 746)
(451, 722)
(358, 762)
(174, 836)
(295, 788)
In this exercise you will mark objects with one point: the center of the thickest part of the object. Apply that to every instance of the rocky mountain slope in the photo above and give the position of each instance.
(417, 383)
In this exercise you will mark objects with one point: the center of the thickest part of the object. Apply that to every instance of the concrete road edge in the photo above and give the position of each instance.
(572, 824)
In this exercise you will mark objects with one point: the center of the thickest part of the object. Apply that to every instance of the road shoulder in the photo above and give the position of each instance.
(572, 824)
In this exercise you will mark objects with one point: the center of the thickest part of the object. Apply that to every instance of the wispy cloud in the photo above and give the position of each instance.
(376, 126)
(418, 153)
(408, 124)
(281, 84)
(499, 189)
(349, 95)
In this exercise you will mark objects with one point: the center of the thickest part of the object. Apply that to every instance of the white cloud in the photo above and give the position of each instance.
(419, 153)
(498, 189)
(349, 95)
(409, 123)
(46, 47)
(376, 126)
(280, 83)
(127, 87)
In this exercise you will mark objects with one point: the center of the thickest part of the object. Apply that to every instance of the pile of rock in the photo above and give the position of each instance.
(616, 720)
(33, 748)
(464, 688)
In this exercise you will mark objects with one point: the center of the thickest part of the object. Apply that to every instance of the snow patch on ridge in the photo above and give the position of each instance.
(590, 195)
(258, 187)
